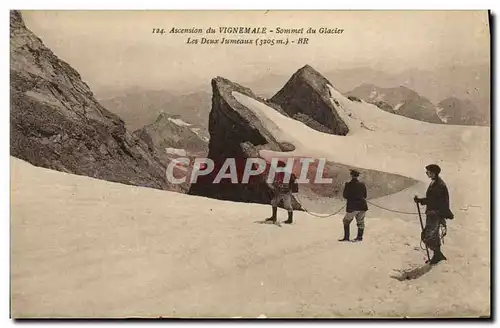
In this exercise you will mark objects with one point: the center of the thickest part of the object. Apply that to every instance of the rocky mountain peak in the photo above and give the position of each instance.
(57, 123)
(308, 75)
(306, 97)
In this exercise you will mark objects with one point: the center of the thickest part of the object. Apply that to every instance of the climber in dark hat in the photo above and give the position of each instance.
(437, 201)
(282, 192)
(432, 168)
(354, 173)
(355, 194)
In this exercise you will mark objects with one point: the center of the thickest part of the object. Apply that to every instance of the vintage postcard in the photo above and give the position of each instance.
(250, 164)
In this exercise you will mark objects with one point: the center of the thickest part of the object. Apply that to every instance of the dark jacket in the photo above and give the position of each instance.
(281, 187)
(437, 199)
(355, 193)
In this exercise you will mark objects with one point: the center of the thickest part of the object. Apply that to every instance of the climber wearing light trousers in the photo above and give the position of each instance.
(355, 194)
(282, 191)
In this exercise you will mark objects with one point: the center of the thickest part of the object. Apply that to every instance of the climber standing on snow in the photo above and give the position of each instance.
(437, 201)
(282, 191)
(355, 194)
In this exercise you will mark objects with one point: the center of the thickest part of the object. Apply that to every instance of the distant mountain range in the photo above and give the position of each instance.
(465, 82)
(400, 101)
(139, 107)
(469, 84)
(414, 88)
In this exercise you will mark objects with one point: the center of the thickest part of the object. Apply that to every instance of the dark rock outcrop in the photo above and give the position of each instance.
(384, 106)
(460, 112)
(307, 94)
(57, 123)
(353, 98)
(235, 132)
(400, 100)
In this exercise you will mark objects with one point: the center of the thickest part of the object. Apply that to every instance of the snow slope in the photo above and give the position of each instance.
(381, 141)
(83, 247)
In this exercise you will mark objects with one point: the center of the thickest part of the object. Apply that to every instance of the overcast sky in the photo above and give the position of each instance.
(117, 48)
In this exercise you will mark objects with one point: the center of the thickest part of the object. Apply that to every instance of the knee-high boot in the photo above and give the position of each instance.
(273, 218)
(346, 232)
(359, 237)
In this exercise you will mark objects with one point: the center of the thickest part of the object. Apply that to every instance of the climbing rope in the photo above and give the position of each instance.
(443, 230)
(336, 212)
(390, 210)
(442, 227)
(317, 215)
(322, 216)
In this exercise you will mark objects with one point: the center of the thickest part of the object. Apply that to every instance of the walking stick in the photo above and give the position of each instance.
(422, 226)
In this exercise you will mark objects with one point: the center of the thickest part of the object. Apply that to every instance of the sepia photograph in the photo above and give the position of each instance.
(244, 164)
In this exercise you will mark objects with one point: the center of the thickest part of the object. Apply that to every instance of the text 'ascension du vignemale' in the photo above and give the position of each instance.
(245, 35)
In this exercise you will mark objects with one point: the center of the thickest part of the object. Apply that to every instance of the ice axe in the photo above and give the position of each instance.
(422, 226)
